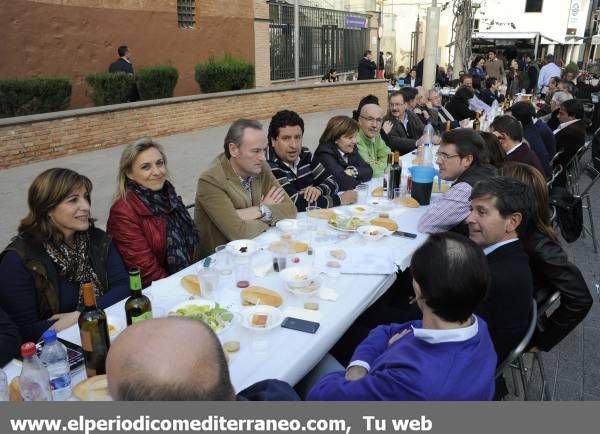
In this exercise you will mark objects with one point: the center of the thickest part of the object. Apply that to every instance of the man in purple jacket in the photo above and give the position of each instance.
(446, 356)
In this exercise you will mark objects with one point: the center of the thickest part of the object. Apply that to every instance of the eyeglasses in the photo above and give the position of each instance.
(442, 156)
(372, 120)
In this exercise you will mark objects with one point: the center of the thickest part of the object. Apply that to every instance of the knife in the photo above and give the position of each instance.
(404, 234)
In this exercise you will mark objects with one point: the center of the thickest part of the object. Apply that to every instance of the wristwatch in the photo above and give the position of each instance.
(265, 213)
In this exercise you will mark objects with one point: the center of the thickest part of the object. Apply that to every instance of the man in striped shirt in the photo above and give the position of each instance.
(304, 180)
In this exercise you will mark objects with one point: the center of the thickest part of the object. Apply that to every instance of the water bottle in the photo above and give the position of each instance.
(428, 133)
(34, 381)
(56, 360)
(3, 386)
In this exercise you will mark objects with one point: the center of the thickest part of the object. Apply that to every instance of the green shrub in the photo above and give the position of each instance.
(109, 87)
(224, 74)
(156, 82)
(572, 67)
(33, 95)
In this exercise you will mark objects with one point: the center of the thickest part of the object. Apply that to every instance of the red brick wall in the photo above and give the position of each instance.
(42, 137)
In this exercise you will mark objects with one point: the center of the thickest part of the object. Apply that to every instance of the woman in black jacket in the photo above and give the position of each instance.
(337, 152)
(458, 106)
(550, 266)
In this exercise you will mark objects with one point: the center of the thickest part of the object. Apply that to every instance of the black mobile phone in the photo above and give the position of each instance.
(301, 325)
(405, 234)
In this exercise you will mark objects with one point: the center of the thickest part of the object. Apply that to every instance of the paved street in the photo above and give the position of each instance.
(573, 367)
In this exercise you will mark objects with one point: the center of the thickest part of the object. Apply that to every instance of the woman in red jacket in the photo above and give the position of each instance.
(149, 223)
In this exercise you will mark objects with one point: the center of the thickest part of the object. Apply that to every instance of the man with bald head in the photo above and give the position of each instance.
(371, 146)
(177, 359)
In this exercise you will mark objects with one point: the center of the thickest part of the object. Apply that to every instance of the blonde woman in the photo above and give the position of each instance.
(56, 249)
(149, 223)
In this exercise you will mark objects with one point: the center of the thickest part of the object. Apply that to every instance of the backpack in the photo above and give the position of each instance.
(569, 213)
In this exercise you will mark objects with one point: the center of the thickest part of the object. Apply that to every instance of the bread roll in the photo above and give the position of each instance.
(259, 320)
(92, 389)
(191, 284)
(377, 192)
(387, 223)
(14, 391)
(410, 202)
(258, 295)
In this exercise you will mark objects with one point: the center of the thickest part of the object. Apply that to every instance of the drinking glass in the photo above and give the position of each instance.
(363, 192)
(243, 271)
(223, 259)
(208, 277)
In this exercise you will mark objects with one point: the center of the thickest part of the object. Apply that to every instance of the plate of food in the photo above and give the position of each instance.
(261, 317)
(301, 280)
(214, 315)
(372, 232)
(360, 210)
(347, 223)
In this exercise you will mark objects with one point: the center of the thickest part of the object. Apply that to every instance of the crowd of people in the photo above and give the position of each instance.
(491, 244)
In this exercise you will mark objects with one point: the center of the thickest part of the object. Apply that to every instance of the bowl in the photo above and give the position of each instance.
(372, 232)
(273, 314)
(299, 278)
(242, 247)
(288, 226)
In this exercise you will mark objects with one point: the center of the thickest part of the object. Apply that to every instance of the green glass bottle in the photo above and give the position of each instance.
(137, 307)
(93, 329)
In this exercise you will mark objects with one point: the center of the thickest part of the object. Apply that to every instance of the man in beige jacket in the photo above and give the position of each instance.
(494, 67)
(237, 196)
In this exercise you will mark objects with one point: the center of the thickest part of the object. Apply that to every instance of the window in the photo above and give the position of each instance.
(475, 25)
(534, 5)
(186, 13)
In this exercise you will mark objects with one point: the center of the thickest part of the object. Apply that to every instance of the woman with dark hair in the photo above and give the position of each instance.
(458, 106)
(550, 265)
(337, 152)
(513, 79)
(448, 355)
(477, 71)
(58, 248)
(493, 153)
(148, 221)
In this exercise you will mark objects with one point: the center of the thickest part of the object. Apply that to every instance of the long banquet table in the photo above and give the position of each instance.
(289, 354)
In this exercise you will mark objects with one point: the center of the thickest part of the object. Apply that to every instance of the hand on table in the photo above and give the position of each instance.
(349, 197)
(64, 320)
(355, 372)
(274, 196)
(311, 194)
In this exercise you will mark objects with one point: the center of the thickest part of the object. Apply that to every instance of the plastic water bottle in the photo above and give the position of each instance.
(428, 133)
(3, 386)
(34, 381)
(56, 360)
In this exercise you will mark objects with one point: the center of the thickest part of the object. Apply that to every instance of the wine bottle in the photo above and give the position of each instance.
(137, 307)
(477, 122)
(386, 172)
(93, 329)
(395, 176)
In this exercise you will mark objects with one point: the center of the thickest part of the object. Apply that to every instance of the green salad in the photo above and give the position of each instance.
(217, 317)
(346, 222)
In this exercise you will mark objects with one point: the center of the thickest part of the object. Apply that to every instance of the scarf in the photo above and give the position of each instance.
(74, 263)
(182, 236)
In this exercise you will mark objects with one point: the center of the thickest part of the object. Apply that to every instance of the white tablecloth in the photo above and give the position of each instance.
(290, 354)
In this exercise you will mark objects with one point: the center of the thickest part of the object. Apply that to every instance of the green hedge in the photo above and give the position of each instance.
(156, 82)
(34, 95)
(229, 73)
(109, 87)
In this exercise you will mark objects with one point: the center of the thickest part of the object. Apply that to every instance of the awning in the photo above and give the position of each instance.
(514, 35)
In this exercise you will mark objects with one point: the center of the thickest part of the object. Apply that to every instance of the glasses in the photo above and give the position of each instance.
(373, 120)
(442, 156)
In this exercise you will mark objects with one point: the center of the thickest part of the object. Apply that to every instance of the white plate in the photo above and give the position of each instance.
(235, 246)
(201, 302)
(367, 232)
(360, 210)
(275, 316)
(288, 225)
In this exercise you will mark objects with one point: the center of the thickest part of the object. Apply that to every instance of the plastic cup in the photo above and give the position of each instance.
(223, 260)
(243, 271)
(363, 191)
(208, 277)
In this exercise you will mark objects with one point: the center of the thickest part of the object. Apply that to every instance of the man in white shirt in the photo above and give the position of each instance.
(549, 70)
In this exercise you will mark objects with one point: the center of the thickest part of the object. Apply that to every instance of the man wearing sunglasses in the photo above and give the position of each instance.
(459, 160)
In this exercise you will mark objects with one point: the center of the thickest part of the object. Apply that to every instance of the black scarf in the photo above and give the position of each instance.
(182, 236)
(74, 263)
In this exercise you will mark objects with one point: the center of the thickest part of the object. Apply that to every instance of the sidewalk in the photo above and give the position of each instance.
(573, 367)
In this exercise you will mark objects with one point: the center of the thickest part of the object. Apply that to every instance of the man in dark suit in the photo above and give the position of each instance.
(570, 135)
(401, 128)
(367, 67)
(123, 64)
(500, 211)
(509, 132)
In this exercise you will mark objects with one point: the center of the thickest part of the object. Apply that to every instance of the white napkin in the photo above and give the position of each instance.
(328, 294)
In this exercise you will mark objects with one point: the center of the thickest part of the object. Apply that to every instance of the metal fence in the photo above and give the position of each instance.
(325, 41)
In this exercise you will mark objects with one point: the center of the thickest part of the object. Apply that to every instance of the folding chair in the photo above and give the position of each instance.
(515, 361)
(587, 204)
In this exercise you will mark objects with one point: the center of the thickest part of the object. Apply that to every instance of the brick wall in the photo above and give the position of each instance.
(42, 137)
